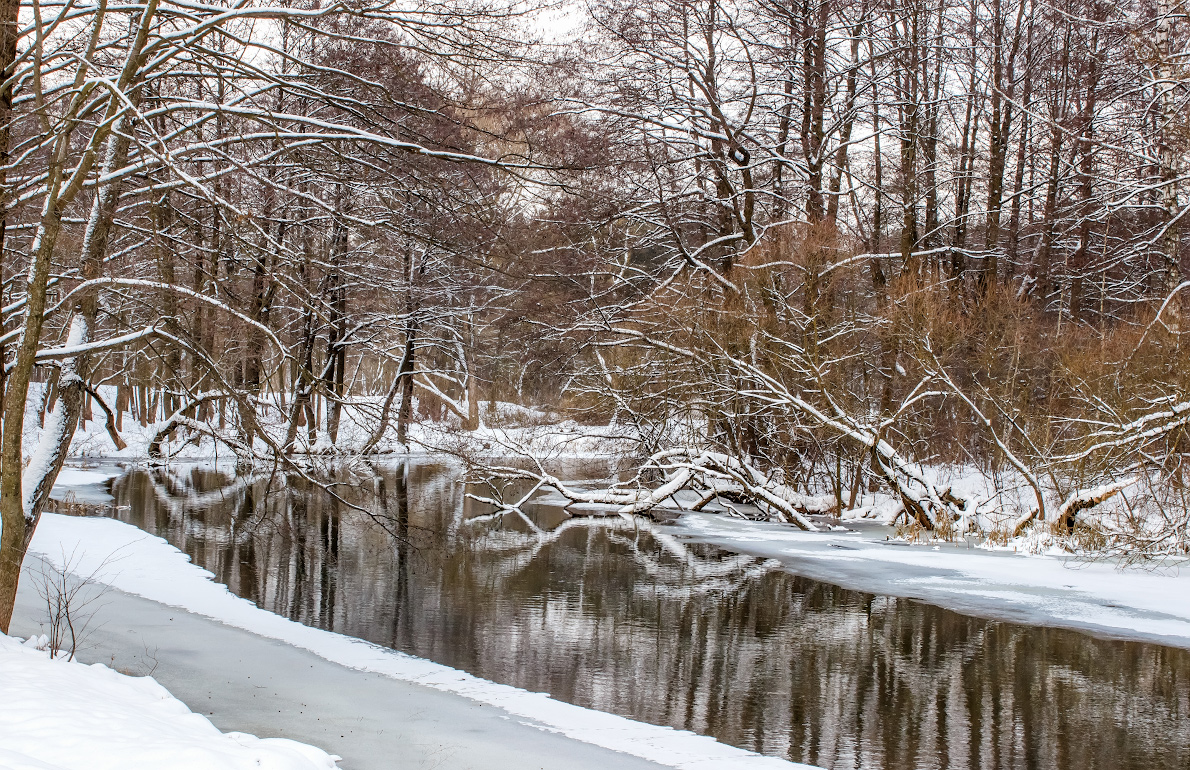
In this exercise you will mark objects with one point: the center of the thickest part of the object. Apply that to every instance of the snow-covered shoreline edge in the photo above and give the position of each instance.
(504, 424)
(135, 562)
(59, 714)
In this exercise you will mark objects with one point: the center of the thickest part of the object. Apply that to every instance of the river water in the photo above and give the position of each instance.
(625, 617)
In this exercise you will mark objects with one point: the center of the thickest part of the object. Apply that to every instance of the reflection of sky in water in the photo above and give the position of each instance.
(623, 617)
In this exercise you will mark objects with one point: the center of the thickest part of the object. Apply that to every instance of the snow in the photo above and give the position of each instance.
(1048, 588)
(137, 563)
(505, 424)
(57, 714)
(48, 454)
(75, 477)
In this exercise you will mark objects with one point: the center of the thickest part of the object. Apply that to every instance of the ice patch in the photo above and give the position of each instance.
(73, 477)
(1049, 588)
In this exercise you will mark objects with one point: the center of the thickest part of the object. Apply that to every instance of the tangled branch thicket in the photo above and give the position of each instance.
(928, 250)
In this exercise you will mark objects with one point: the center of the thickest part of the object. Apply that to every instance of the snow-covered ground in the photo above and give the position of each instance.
(57, 714)
(503, 424)
(137, 563)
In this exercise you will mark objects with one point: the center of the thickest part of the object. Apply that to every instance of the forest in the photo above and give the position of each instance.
(919, 260)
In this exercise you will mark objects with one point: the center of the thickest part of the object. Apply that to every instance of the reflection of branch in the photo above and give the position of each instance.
(503, 507)
(687, 571)
(173, 503)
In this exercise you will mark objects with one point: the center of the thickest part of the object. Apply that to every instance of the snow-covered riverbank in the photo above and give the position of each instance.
(57, 714)
(245, 682)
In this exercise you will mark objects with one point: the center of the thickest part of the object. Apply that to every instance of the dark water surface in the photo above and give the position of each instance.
(629, 619)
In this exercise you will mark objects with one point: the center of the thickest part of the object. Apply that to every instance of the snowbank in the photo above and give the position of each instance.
(141, 564)
(61, 715)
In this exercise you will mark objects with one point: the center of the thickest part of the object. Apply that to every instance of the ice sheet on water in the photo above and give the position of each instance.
(1048, 588)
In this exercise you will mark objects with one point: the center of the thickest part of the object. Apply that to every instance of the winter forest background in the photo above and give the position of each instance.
(918, 259)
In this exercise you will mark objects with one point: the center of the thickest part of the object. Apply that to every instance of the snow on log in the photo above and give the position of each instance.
(711, 474)
(1089, 498)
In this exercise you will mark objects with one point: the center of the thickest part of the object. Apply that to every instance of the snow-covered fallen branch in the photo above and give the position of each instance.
(1089, 498)
(928, 504)
(710, 474)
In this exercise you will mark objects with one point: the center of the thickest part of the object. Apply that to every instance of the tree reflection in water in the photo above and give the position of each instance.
(623, 617)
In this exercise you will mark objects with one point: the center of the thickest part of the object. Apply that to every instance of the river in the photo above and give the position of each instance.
(626, 617)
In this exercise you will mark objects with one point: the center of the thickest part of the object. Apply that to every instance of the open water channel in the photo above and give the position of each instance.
(625, 617)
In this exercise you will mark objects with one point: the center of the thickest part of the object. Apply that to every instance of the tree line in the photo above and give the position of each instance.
(785, 248)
